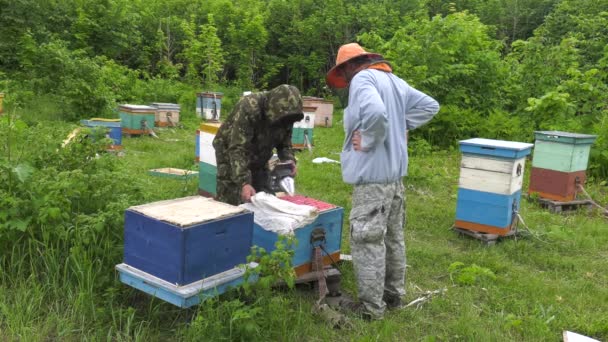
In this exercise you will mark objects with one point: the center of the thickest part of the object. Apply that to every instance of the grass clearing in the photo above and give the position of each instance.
(529, 289)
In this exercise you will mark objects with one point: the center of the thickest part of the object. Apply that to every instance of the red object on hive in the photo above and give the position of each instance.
(303, 200)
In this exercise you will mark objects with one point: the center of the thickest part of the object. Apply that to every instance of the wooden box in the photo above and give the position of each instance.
(556, 185)
(491, 177)
(187, 295)
(207, 180)
(184, 240)
(329, 220)
(209, 105)
(136, 119)
(111, 128)
(167, 114)
(303, 131)
(323, 110)
(566, 155)
(207, 185)
(559, 164)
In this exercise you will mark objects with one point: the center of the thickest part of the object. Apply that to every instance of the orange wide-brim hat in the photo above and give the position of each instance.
(335, 77)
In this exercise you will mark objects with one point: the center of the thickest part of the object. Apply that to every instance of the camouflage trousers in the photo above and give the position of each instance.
(377, 243)
(230, 192)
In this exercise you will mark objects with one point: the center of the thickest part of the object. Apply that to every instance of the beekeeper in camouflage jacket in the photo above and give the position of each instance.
(259, 123)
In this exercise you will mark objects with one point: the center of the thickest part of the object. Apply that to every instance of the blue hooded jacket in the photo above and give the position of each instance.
(382, 107)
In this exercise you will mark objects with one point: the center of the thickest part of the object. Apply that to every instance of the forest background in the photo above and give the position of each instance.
(500, 69)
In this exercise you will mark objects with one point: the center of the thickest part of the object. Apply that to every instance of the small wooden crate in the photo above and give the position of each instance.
(184, 240)
(187, 295)
(137, 119)
(167, 114)
(209, 105)
(303, 130)
(559, 164)
(491, 177)
(329, 219)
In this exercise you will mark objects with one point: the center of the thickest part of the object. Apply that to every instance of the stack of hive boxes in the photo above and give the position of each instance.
(491, 177)
(209, 105)
(559, 164)
(183, 249)
(205, 156)
(303, 131)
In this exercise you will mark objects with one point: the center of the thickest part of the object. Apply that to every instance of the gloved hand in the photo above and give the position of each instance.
(247, 191)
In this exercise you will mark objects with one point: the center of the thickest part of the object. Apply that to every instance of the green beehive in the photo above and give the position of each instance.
(562, 151)
(136, 119)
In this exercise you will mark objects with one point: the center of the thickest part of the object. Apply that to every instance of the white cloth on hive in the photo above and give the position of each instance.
(279, 216)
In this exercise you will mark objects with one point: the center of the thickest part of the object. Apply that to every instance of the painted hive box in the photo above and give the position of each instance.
(206, 158)
(559, 164)
(187, 295)
(489, 188)
(324, 110)
(136, 119)
(167, 114)
(209, 105)
(303, 130)
(111, 128)
(329, 222)
(186, 239)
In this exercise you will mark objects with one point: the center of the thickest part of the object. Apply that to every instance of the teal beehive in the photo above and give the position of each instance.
(562, 151)
(136, 119)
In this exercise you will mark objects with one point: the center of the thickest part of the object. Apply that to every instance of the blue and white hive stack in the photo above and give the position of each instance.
(185, 249)
(209, 105)
(489, 189)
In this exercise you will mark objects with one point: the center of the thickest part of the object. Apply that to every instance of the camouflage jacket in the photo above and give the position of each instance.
(249, 134)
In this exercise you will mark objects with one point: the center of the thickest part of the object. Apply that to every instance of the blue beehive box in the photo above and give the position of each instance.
(187, 295)
(184, 240)
(491, 177)
(329, 222)
(111, 128)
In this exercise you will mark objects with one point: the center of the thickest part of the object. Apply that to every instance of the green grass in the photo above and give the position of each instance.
(553, 280)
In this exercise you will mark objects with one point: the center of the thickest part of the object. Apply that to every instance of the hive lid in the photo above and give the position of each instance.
(95, 122)
(503, 144)
(187, 211)
(210, 127)
(497, 148)
(565, 137)
(162, 105)
(137, 108)
(211, 94)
